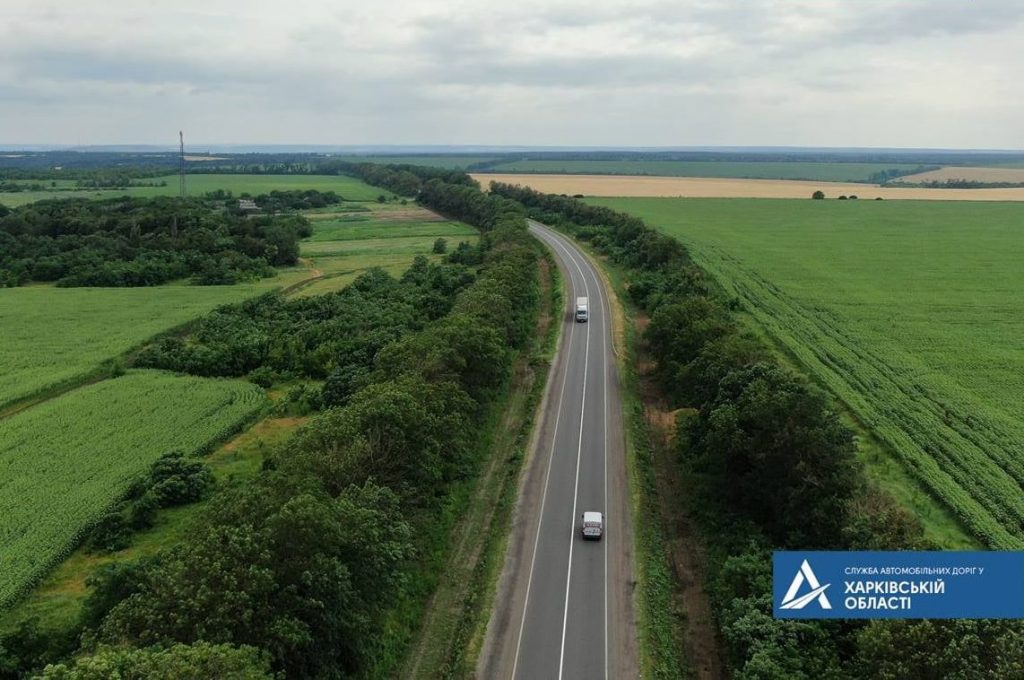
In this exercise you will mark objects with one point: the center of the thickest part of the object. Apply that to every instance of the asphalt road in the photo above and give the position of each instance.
(564, 606)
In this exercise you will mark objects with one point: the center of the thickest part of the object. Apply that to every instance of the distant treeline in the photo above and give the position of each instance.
(769, 466)
(142, 242)
(83, 165)
(960, 184)
(310, 568)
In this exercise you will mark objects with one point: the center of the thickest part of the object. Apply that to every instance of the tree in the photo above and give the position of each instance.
(280, 565)
(940, 649)
(784, 459)
(440, 246)
(178, 662)
(679, 331)
(818, 195)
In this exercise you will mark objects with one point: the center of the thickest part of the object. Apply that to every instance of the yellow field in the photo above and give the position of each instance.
(969, 174)
(713, 187)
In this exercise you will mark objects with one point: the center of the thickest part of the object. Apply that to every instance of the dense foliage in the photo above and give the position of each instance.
(297, 199)
(307, 561)
(334, 336)
(142, 242)
(404, 180)
(177, 662)
(770, 466)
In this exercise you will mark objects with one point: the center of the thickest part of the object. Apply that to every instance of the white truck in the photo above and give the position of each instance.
(593, 525)
(582, 313)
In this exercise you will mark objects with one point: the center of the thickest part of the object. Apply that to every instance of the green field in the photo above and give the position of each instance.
(826, 172)
(64, 462)
(343, 246)
(55, 335)
(349, 188)
(910, 312)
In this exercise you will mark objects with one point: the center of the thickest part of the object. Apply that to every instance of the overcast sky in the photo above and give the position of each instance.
(900, 73)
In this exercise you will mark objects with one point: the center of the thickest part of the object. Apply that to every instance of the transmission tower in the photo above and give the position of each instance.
(181, 167)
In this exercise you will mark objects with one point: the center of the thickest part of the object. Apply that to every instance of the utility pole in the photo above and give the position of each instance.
(181, 169)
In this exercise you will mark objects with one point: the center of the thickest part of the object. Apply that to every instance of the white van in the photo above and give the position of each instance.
(582, 310)
(593, 525)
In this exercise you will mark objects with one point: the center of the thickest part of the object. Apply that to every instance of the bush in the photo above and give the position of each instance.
(783, 458)
(440, 246)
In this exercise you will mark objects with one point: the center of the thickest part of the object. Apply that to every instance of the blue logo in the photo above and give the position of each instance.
(898, 585)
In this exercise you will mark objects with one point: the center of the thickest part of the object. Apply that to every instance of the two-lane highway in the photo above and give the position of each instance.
(564, 606)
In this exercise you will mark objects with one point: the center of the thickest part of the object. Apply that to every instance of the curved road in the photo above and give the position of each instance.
(564, 606)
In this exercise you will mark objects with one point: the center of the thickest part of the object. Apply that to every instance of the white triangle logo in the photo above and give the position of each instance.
(817, 592)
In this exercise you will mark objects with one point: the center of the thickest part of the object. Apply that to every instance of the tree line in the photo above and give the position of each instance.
(143, 242)
(770, 466)
(300, 570)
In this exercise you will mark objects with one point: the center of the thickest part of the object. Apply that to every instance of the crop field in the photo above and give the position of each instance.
(64, 462)
(1009, 175)
(55, 335)
(910, 312)
(713, 187)
(825, 172)
(348, 188)
(343, 246)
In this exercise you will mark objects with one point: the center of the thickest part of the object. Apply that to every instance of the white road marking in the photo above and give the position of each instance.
(560, 244)
(576, 488)
(544, 497)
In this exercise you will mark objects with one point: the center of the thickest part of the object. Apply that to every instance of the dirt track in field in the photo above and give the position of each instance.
(714, 187)
(969, 174)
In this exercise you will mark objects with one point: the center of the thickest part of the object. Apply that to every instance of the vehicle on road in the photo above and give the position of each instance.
(593, 525)
(582, 313)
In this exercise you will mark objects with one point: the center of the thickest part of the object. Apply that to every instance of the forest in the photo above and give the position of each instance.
(144, 242)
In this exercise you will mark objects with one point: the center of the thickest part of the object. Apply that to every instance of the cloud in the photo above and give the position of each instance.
(834, 72)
